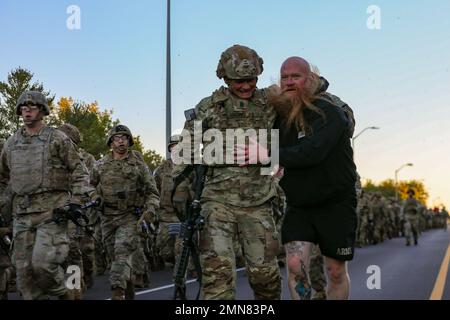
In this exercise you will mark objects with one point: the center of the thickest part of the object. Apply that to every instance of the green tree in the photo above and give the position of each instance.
(151, 158)
(387, 189)
(421, 193)
(18, 81)
(94, 126)
(87, 117)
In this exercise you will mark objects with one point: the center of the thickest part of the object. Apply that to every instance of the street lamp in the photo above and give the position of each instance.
(168, 82)
(354, 138)
(396, 180)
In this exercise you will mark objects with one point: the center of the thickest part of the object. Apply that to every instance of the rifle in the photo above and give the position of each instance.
(151, 251)
(77, 214)
(193, 223)
(74, 213)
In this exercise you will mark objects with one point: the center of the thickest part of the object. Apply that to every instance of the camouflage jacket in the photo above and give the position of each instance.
(164, 182)
(125, 184)
(228, 183)
(43, 171)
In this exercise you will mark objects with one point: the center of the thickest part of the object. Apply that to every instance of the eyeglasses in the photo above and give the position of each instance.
(29, 108)
(120, 137)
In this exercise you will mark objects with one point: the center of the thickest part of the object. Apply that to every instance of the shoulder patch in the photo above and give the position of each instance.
(190, 114)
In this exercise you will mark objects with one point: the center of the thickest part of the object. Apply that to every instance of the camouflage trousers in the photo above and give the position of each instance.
(101, 258)
(121, 238)
(411, 229)
(361, 235)
(140, 263)
(6, 273)
(75, 257)
(81, 253)
(255, 230)
(40, 249)
(317, 274)
(165, 243)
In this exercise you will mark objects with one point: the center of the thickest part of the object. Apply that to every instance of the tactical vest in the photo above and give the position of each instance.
(120, 183)
(411, 207)
(166, 187)
(230, 112)
(35, 166)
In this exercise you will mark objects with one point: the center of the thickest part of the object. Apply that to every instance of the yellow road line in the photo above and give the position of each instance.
(439, 285)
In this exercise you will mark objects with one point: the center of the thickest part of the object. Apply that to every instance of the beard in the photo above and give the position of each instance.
(291, 105)
(287, 104)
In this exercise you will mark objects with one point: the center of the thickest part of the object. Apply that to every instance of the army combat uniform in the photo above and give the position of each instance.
(166, 214)
(44, 172)
(81, 245)
(410, 211)
(236, 201)
(128, 190)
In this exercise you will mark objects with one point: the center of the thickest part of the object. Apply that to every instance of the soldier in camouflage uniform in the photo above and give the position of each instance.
(130, 197)
(81, 247)
(444, 216)
(362, 210)
(44, 171)
(166, 215)
(6, 268)
(410, 212)
(377, 218)
(236, 201)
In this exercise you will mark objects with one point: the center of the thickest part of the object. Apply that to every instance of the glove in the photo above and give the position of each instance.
(97, 198)
(145, 216)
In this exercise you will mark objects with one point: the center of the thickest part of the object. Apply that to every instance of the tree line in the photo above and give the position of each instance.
(92, 122)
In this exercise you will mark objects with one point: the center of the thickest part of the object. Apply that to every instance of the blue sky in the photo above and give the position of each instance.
(397, 78)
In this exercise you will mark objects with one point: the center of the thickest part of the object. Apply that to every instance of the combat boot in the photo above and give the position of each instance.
(139, 281)
(77, 294)
(68, 295)
(89, 280)
(129, 291)
(117, 294)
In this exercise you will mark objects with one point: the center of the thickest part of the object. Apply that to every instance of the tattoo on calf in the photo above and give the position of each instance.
(303, 286)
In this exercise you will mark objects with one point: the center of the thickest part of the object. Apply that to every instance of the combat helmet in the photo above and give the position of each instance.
(174, 139)
(119, 129)
(35, 98)
(72, 132)
(239, 62)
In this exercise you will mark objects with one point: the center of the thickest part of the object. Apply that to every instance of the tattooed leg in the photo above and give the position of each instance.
(297, 256)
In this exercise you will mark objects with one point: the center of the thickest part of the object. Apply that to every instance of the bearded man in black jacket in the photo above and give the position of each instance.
(319, 177)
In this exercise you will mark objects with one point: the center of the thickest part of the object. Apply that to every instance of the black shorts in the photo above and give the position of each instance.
(332, 226)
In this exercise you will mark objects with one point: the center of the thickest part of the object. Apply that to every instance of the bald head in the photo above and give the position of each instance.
(293, 74)
(297, 62)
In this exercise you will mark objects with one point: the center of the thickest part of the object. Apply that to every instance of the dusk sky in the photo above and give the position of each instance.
(396, 77)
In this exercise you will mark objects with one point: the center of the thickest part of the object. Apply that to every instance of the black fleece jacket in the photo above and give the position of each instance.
(318, 167)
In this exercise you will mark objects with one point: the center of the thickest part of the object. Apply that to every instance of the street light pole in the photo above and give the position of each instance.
(396, 178)
(168, 84)
(354, 138)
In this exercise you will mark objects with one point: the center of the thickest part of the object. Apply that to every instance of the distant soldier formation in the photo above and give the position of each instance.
(382, 218)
